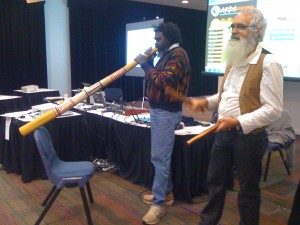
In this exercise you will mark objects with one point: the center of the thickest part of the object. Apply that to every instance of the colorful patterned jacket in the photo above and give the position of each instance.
(172, 70)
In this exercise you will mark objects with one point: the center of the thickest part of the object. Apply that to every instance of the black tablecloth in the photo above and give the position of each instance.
(12, 105)
(128, 146)
(20, 155)
(92, 136)
(36, 98)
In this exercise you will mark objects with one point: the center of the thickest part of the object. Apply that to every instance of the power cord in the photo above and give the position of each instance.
(103, 165)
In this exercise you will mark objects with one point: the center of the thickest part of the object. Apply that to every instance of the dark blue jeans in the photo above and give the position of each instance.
(245, 152)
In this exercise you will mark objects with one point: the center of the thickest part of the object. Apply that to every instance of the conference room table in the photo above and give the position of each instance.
(98, 134)
(36, 97)
(11, 103)
(125, 141)
(19, 154)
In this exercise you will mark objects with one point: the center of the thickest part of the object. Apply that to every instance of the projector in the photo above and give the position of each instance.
(43, 108)
(29, 88)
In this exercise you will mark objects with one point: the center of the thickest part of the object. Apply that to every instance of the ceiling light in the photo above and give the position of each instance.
(184, 1)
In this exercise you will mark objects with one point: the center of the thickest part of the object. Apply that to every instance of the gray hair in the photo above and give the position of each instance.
(258, 22)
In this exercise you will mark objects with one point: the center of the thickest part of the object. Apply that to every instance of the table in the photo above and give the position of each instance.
(20, 155)
(10, 103)
(109, 136)
(36, 97)
(128, 146)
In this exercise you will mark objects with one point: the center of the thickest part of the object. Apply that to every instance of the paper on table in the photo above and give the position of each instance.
(38, 90)
(16, 114)
(192, 130)
(7, 126)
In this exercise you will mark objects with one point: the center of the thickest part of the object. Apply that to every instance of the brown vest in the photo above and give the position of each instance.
(249, 98)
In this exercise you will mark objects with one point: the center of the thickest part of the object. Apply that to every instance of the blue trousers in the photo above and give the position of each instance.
(245, 152)
(163, 125)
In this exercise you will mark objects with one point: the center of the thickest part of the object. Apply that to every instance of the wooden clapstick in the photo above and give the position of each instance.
(204, 133)
(70, 103)
(184, 99)
(176, 95)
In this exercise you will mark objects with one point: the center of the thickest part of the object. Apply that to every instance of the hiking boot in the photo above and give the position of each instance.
(148, 199)
(154, 214)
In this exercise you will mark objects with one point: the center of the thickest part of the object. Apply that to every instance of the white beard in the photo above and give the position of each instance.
(237, 50)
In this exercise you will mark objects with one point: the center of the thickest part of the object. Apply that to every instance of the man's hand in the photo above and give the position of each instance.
(148, 51)
(198, 104)
(227, 123)
(140, 59)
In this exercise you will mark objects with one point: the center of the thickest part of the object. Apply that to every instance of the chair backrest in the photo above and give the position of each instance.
(281, 131)
(45, 147)
(113, 94)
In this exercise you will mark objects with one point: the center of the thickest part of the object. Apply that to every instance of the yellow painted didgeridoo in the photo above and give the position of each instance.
(71, 102)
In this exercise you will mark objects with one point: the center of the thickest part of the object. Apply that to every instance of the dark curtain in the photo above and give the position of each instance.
(97, 41)
(22, 45)
(98, 35)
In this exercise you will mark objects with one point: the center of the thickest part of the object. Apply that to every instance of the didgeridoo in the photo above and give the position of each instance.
(71, 102)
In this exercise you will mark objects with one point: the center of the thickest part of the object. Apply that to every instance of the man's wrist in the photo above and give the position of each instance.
(236, 121)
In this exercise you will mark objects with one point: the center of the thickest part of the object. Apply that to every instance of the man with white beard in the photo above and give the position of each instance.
(249, 99)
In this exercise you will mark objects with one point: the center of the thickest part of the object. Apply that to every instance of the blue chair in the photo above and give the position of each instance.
(113, 95)
(273, 146)
(281, 137)
(63, 174)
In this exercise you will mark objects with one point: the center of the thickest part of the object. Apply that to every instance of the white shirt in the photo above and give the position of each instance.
(271, 94)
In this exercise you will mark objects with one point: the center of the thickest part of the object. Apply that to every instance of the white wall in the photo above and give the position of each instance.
(58, 46)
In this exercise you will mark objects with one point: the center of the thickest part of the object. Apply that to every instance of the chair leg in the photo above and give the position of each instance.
(52, 199)
(49, 195)
(86, 206)
(284, 162)
(267, 166)
(89, 191)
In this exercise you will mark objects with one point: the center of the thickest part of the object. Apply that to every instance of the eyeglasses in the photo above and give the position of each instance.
(239, 26)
